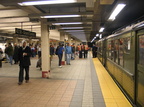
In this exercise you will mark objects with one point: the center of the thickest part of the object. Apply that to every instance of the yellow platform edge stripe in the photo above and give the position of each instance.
(113, 96)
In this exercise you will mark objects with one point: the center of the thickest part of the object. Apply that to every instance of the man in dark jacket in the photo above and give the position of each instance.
(15, 56)
(94, 51)
(10, 53)
(24, 54)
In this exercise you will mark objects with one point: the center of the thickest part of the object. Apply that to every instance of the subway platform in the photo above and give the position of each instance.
(84, 83)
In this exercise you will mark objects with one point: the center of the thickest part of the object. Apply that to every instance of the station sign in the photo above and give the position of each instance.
(25, 32)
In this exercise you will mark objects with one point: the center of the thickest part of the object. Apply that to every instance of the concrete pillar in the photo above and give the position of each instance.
(30, 41)
(62, 39)
(45, 49)
(15, 40)
(69, 39)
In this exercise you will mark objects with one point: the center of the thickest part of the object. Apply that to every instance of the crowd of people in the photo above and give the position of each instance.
(22, 55)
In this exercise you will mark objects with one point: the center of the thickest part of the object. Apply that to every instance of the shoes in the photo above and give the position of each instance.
(68, 64)
(60, 66)
(19, 83)
(27, 81)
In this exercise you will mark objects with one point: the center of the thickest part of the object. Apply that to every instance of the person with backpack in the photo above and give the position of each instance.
(59, 52)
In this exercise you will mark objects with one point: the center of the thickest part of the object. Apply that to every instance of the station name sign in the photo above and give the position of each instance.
(25, 32)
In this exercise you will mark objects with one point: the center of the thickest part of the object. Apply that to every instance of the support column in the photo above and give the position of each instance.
(62, 39)
(15, 40)
(69, 39)
(30, 41)
(45, 49)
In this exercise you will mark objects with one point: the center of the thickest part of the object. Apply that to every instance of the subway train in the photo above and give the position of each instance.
(122, 54)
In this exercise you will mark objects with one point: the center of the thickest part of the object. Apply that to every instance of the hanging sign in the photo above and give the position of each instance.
(25, 32)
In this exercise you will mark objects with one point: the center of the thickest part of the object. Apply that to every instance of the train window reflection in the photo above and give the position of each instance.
(109, 49)
(121, 52)
(116, 50)
(141, 50)
(112, 50)
(126, 44)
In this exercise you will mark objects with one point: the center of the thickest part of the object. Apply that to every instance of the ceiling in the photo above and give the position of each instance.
(94, 14)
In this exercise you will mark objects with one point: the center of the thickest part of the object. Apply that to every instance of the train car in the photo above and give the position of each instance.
(122, 54)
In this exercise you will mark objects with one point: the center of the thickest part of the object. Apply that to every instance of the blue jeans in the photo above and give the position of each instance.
(68, 58)
(60, 58)
(11, 59)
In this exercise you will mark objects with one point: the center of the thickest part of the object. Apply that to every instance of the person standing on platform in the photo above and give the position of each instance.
(1, 52)
(24, 54)
(15, 56)
(6, 54)
(94, 51)
(86, 51)
(59, 52)
(52, 50)
(80, 51)
(68, 51)
(39, 51)
(73, 52)
(10, 53)
(83, 50)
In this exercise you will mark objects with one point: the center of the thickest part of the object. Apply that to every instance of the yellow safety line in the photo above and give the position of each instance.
(113, 96)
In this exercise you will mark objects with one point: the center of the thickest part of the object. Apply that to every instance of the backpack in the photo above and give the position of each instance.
(56, 52)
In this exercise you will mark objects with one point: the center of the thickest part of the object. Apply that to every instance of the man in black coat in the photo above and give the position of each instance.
(94, 51)
(15, 55)
(24, 54)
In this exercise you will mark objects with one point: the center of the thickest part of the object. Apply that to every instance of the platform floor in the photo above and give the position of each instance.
(84, 83)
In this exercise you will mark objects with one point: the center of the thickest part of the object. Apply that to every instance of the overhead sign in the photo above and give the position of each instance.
(25, 32)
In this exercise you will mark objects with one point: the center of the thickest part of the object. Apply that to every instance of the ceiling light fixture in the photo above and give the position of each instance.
(60, 16)
(116, 11)
(100, 36)
(72, 23)
(46, 2)
(101, 29)
(74, 30)
(97, 35)
(71, 28)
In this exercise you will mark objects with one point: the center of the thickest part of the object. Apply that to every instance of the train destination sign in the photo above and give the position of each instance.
(25, 32)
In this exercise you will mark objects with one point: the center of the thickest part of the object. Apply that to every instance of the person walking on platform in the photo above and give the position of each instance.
(94, 51)
(15, 56)
(59, 52)
(24, 54)
(68, 51)
(10, 53)
(1, 52)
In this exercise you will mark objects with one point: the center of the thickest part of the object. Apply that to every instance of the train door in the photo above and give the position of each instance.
(140, 69)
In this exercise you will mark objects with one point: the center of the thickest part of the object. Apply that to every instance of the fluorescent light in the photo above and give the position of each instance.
(97, 35)
(67, 23)
(46, 2)
(100, 36)
(74, 30)
(116, 11)
(71, 28)
(101, 29)
(60, 16)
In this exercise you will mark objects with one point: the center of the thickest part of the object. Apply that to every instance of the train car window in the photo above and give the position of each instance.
(116, 50)
(121, 52)
(109, 49)
(112, 50)
(126, 45)
(141, 50)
